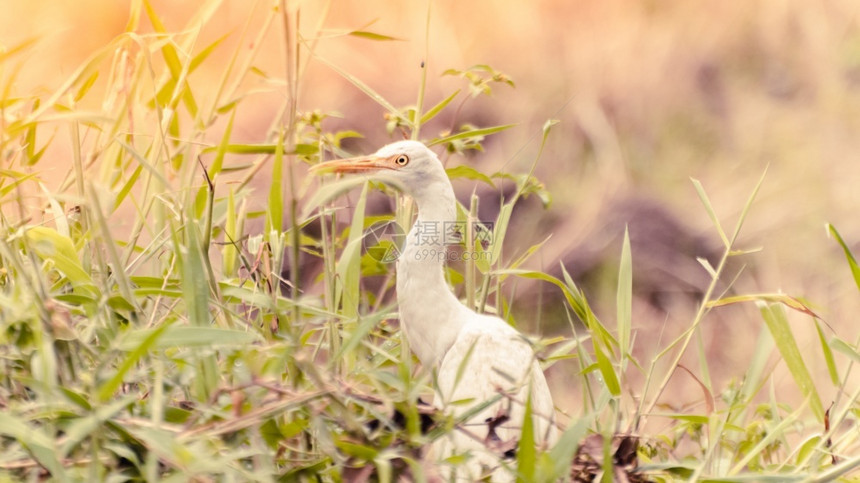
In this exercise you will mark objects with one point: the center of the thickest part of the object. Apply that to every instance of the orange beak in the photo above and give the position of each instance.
(361, 164)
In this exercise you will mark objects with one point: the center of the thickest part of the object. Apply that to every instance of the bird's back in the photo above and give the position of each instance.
(491, 360)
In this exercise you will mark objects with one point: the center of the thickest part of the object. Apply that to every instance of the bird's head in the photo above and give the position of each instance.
(409, 165)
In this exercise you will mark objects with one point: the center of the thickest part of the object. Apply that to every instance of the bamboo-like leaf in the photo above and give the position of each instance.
(18, 48)
(777, 323)
(17, 180)
(435, 110)
(109, 387)
(747, 207)
(468, 172)
(527, 254)
(607, 371)
(85, 87)
(218, 162)
(753, 375)
(233, 294)
(562, 453)
(624, 296)
(361, 86)
(84, 426)
(187, 336)
(768, 438)
(499, 230)
(48, 244)
(34, 439)
(471, 133)
(205, 52)
(244, 148)
(786, 300)
(700, 190)
(365, 326)
(707, 266)
(127, 186)
(852, 262)
(275, 210)
(348, 267)
(828, 355)
(526, 454)
(330, 191)
(230, 254)
(602, 340)
(845, 348)
(372, 35)
(573, 297)
(195, 284)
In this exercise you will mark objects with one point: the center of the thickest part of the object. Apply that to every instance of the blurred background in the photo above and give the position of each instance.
(648, 94)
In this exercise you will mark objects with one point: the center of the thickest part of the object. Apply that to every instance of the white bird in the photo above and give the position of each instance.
(475, 356)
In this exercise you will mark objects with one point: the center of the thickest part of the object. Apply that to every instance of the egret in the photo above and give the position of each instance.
(476, 357)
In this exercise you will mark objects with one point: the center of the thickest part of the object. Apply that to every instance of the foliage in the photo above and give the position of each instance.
(149, 332)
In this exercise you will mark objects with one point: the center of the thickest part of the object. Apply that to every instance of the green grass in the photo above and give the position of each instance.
(149, 332)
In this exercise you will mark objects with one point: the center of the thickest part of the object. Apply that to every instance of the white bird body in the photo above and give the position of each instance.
(475, 356)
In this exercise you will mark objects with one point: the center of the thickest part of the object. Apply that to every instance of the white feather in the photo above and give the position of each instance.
(475, 357)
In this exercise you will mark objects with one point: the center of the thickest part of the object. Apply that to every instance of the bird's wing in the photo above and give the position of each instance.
(491, 360)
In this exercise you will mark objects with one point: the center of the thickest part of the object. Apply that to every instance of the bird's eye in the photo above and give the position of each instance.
(401, 160)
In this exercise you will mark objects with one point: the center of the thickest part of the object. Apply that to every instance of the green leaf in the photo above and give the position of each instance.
(700, 190)
(845, 348)
(126, 188)
(218, 162)
(526, 454)
(366, 325)
(36, 442)
(562, 453)
(468, 172)
(275, 211)
(786, 300)
(471, 133)
(5, 190)
(360, 451)
(330, 191)
(48, 244)
(828, 355)
(244, 149)
(372, 36)
(348, 269)
(358, 83)
(230, 254)
(18, 48)
(777, 323)
(195, 282)
(852, 262)
(624, 296)
(187, 336)
(807, 449)
(602, 340)
(140, 349)
(85, 426)
(438, 107)
(500, 229)
(85, 87)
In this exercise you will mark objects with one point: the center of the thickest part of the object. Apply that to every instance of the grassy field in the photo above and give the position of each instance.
(180, 300)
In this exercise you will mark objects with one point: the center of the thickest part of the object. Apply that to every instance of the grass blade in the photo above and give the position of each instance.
(430, 114)
(852, 262)
(700, 190)
(777, 323)
(471, 133)
(624, 297)
(526, 454)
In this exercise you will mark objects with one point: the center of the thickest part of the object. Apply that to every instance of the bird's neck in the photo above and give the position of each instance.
(430, 315)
